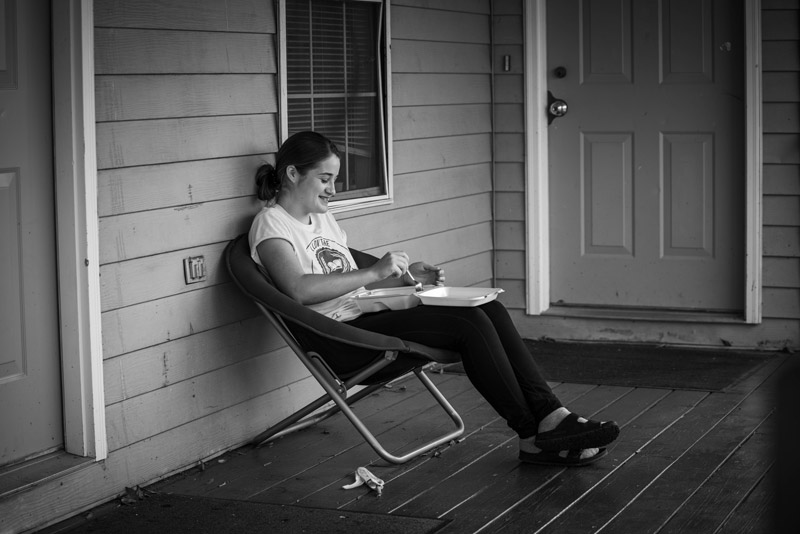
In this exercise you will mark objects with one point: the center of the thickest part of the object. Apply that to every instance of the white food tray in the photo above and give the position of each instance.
(458, 296)
(393, 298)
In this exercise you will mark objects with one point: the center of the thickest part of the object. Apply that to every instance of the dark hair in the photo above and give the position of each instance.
(303, 150)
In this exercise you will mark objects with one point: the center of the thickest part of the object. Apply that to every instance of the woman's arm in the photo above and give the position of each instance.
(278, 258)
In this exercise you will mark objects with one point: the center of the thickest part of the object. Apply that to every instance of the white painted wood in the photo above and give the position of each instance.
(148, 187)
(137, 51)
(147, 142)
(208, 15)
(30, 381)
(160, 410)
(536, 162)
(416, 155)
(639, 114)
(133, 235)
(436, 25)
(150, 323)
(79, 275)
(154, 96)
(440, 89)
(753, 43)
(754, 164)
(151, 368)
(152, 277)
(444, 57)
(419, 122)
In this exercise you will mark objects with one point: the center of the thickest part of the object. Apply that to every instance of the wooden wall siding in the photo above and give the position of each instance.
(186, 107)
(509, 149)
(781, 124)
(442, 130)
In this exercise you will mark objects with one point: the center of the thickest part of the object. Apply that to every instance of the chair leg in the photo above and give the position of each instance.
(296, 421)
(391, 458)
(301, 418)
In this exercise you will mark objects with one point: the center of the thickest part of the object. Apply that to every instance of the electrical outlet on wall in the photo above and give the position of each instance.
(194, 269)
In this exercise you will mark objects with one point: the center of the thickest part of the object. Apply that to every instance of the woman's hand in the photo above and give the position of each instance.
(426, 274)
(391, 265)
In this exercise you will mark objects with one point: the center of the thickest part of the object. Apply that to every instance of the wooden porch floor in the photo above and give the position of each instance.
(686, 461)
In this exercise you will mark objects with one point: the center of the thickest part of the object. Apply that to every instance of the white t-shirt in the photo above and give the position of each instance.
(320, 247)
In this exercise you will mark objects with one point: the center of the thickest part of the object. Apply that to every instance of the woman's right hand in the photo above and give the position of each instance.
(392, 264)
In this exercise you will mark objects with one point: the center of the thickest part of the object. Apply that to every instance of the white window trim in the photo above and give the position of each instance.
(338, 206)
(536, 172)
(77, 228)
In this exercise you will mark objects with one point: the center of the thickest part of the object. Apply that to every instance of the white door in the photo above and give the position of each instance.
(30, 372)
(647, 166)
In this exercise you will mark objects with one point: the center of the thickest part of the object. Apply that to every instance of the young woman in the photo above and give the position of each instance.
(305, 251)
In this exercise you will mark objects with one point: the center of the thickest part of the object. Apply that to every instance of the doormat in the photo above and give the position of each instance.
(183, 514)
(634, 365)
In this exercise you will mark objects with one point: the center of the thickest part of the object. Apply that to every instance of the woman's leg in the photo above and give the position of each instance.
(529, 375)
(471, 332)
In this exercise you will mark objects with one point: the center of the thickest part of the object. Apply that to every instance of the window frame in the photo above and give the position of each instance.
(359, 202)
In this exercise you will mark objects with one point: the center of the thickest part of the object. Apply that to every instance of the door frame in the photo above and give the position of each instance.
(536, 161)
(77, 229)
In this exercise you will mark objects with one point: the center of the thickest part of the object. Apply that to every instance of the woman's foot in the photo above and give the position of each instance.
(562, 430)
(531, 454)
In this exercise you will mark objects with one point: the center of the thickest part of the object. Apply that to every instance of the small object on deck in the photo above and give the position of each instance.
(363, 476)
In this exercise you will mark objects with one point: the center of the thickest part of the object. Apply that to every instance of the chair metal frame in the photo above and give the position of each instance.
(281, 312)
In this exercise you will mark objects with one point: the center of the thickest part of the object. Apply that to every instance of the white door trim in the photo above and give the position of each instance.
(77, 228)
(536, 163)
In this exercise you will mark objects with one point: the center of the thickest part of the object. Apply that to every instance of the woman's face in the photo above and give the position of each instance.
(316, 187)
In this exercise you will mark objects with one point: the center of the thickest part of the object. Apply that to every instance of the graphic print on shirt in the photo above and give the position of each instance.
(330, 257)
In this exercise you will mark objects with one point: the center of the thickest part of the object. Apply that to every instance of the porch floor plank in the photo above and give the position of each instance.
(686, 461)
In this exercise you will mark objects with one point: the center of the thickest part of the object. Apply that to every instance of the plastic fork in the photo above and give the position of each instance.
(417, 285)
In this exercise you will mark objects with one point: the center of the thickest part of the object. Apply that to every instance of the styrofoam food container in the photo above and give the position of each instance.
(458, 296)
(392, 298)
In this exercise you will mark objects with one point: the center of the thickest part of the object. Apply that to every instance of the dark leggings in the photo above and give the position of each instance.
(495, 358)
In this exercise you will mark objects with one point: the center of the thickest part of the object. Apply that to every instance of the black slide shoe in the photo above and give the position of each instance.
(572, 435)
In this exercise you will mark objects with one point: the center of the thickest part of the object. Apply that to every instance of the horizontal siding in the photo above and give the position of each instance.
(139, 418)
(133, 143)
(424, 24)
(461, 6)
(509, 148)
(439, 58)
(142, 371)
(148, 187)
(126, 98)
(208, 15)
(781, 126)
(138, 51)
(133, 235)
(186, 109)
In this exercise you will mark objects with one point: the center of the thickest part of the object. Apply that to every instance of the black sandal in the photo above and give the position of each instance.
(571, 435)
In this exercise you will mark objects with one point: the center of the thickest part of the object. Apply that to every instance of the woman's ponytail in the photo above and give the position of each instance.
(268, 183)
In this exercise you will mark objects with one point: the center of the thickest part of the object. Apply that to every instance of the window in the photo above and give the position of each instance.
(335, 75)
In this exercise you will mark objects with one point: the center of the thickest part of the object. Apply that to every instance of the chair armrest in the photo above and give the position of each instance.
(363, 259)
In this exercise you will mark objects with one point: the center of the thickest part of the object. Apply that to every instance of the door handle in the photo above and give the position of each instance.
(555, 108)
(558, 108)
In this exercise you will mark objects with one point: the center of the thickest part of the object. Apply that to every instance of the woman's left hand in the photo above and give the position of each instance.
(425, 273)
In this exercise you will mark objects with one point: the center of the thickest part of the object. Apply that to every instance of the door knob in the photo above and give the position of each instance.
(555, 108)
(558, 108)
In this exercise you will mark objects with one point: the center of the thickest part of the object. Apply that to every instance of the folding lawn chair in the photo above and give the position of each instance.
(312, 335)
